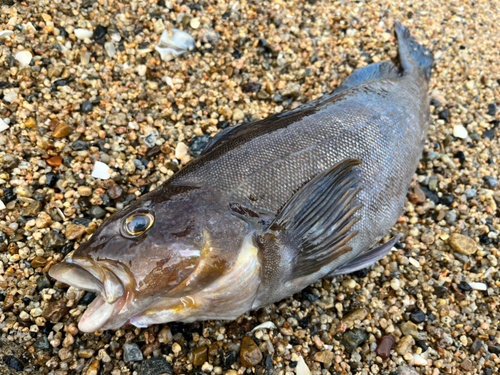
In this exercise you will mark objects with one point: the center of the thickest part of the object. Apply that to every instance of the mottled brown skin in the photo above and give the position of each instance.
(222, 241)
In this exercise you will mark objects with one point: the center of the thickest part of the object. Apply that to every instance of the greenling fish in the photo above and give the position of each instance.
(267, 209)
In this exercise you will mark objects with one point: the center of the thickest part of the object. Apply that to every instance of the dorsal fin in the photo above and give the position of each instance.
(383, 70)
(318, 219)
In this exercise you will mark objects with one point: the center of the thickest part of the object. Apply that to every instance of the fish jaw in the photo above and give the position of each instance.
(225, 299)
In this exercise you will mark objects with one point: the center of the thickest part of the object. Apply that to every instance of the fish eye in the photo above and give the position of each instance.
(137, 224)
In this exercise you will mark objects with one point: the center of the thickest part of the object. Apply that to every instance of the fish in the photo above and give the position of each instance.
(268, 208)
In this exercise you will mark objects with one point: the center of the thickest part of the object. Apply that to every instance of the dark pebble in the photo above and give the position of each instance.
(51, 179)
(8, 195)
(422, 345)
(61, 82)
(84, 202)
(488, 371)
(87, 298)
(115, 192)
(495, 349)
(129, 199)
(53, 240)
(139, 165)
(42, 343)
(492, 109)
(310, 296)
(86, 106)
(430, 194)
(80, 146)
(435, 103)
(476, 345)
(417, 316)
(446, 200)
(251, 87)
(384, 346)
(152, 152)
(444, 114)
(155, 366)
(14, 363)
(490, 134)
(352, 339)
(97, 212)
(464, 286)
(82, 221)
(460, 156)
(144, 189)
(172, 166)
(229, 358)
(491, 182)
(100, 34)
(198, 143)
(440, 291)
(223, 124)
(42, 282)
(106, 200)
(67, 248)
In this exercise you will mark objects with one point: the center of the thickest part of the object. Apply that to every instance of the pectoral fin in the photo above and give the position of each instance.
(318, 219)
(366, 259)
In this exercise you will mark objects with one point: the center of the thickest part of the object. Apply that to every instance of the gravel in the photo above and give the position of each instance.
(92, 117)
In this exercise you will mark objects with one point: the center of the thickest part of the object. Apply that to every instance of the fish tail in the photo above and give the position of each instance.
(413, 56)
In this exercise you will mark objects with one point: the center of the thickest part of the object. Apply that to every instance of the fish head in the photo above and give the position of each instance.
(168, 245)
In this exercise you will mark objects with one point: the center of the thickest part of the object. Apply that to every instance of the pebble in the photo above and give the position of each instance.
(83, 34)
(42, 343)
(74, 231)
(155, 366)
(478, 286)
(417, 316)
(86, 106)
(409, 328)
(3, 125)
(418, 360)
(38, 262)
(395, 284)
(195, 23)
(450, 217)
(404, 345)
(238, 115)
(13, 362)
(200, 356)
(492, 109)
(351, 318)
(101, 171)
(250, 354)
(131, 352)
(198, 143)
(384, 346)
(477, 344)
(24, 58)
(462, 244)
(491, 182)
(62, 130)
(460, 131)
(42, 282)
(302, 368)
(97, 212)
(352, 339)
(324, 357)
(291, 89)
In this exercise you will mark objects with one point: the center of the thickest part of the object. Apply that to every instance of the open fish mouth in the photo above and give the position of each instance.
(106, 280)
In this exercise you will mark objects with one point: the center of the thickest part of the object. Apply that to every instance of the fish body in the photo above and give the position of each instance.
(267, 209)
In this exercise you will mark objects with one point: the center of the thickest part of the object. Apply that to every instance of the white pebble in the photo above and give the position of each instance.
(302, 368)
(83, 33)
(141, 70)
(195, 23)
(460, 132)
(3, 125)
(265, 325)
(5, 33)
(2, 206)
(395, 284)
(181, 150)
(180, 43)
(414, 262)
(110, 49)
(101, 171)
(478, 286)
(418, 360)
(24, 57)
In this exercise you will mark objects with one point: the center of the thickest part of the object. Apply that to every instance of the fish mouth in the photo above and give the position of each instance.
(108, 280)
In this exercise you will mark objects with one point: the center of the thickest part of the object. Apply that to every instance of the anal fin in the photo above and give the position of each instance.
(318, 219)
(366, 259)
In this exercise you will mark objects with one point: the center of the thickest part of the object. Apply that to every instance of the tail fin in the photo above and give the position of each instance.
(413, 55)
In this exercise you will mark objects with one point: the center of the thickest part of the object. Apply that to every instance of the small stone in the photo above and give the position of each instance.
(99, 34)
(450, 217)
(54, 311)
(195, 23)
(198, 143)
(478, 286)
(477, 344)
(418, 360)
(9, 161)
(229, 358)
(24, 58)
(129, 167)
(131, 352)
(80, 146)
(74, 231)
(470, 193)
(352, 339)
(462, 244)
(93, 368)
(409, 328)
(42, 343)
(492, 109)
(53, 240)
(460, 132)
(83, 34)
(384, 346)
(250, 354)
(491, 182)
(97, 212)
(405, 370)
(85, 191)
(116, 192)
(404, 345)
(489, 134)
(101, 171)
(466, 365)
(42, 282)
(417, 316)
(155, 366)
(352, 317)
(395, 284)
(86, 353)
(33, 209)
(62, 130)
(200, 356)
(238, 115)
(302, 368)
(181, 150)
(151, 138)
(13, 362)
(87, 298)
(251, 87)
(38, 262)
(324, 357)
(55, 161)
(86, 106)
(291, 89)
(43, 220)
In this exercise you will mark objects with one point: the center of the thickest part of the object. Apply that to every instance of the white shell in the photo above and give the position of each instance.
(101, 171)
(24, 57)
(180, 43)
